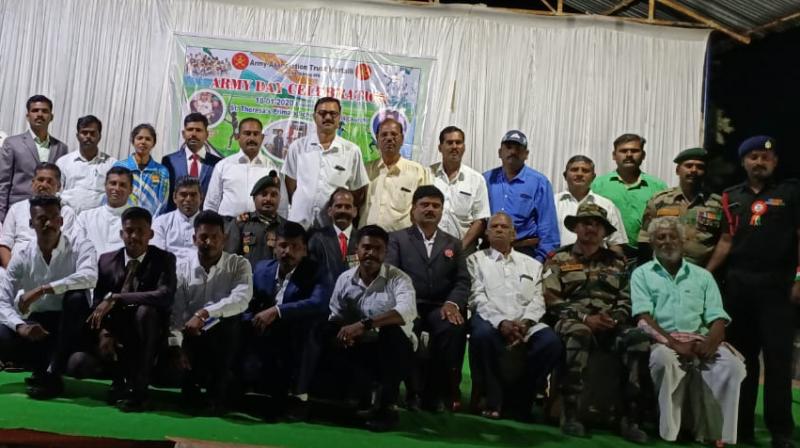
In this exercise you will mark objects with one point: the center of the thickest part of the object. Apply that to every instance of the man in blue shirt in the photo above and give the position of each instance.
(526, 195)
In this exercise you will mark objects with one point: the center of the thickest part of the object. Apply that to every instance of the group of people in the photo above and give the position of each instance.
(336, 277)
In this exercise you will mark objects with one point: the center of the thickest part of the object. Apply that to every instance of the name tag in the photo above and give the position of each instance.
(668, 212)
(776, 202)
(570, 267)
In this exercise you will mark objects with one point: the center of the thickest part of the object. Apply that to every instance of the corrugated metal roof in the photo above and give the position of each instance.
(740, 16)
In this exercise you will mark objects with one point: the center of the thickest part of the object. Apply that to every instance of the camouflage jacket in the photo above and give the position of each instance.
(576, 286)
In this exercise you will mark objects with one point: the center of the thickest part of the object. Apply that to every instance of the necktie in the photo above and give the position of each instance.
(194, 170)
(343, 245)
(130, 276)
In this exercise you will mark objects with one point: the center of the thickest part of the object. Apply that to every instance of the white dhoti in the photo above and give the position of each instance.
(723, 377)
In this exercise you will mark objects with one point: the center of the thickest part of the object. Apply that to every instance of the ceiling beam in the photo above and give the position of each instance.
(624, 4)
(651, 10)
(767, 26)
(704, 20)
(549, 6)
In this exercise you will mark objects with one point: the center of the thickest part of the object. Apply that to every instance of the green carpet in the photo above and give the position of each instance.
(83, 412)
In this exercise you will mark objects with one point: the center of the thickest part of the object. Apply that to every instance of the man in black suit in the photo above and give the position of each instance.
(21, 153)
(435, 262)
(334, 246)
(132, 301)
(194, 158)
(290, 298)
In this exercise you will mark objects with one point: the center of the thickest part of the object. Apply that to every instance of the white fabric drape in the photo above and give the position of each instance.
(572, 84)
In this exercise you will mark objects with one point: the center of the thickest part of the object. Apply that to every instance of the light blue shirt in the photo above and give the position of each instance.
(688, 303)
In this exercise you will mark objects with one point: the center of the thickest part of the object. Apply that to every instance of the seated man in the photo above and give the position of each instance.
(174, 231)
(588, 303)
(132, 301)
(682, 308)
(435, 262)
(214, 289)
(252, 234)
(334, 246)
(373, 308)
(43, 298)
(17, 228)
(508, 306)
(291, 296)
(102, 225)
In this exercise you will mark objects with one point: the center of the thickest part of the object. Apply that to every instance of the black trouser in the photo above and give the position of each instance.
(435, 372)
(762, 321)
(383, 356)
(283, 358)
(66, 335)
(211, 355)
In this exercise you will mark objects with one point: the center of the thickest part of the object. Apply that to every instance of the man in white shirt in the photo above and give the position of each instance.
(393, 181)
(579, 175)
(508, 306)
(318, 164)
(235, 176)
(83, 172)
(44, 299)
(373, 307)
(102, 225)
(17, 229)
(466, 200)
(174, 231)
(214, 289)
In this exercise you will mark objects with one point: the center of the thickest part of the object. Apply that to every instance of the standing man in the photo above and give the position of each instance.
(83, 172)
(699, 212)
(252, 235)
(102, 225)
(579, 175)
(629, 188)
(759, 244)
(44, 298)
(236, 175)
(21, 153)
(132, 302)
(334, 246)
(174, 231)
(319, 163)
(466, 200)
(526, 195)
(17, 228)
(393, 181)
(194, 158)
(437, 266)
(589, 304)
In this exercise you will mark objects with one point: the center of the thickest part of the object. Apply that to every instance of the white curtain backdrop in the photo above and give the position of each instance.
(571, 83)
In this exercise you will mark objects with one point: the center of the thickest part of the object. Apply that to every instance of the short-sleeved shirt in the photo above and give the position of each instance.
(688, 303)
(466, 199)
(701, 218)
(567, 205)
(150, 185)
(390, 191)
(576, 285)
(318, 173)
(764, 228)
(629, 199)
(83, 181)
(528, 199)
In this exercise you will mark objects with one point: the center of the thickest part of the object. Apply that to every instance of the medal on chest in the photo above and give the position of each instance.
(757, 209)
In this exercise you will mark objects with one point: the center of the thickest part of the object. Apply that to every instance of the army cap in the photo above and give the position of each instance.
(270, 180)
(691, 154)
(589, 210)
(756, 143)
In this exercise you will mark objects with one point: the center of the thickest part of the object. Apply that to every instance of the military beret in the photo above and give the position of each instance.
(691, 154)
(755, 143)
(270, 180)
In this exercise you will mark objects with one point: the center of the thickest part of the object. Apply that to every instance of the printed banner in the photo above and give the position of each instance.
(279, 83)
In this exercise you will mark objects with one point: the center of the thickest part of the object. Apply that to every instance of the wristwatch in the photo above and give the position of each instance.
(367, 323)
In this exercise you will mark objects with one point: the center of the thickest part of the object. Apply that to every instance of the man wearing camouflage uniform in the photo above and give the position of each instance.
(699, 212)
(252, 235)
(588, 301)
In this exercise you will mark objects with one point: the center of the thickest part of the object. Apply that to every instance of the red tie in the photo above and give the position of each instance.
(343, 245)
(194, 170)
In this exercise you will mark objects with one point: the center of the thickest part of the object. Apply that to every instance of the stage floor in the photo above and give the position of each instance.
(82, 411)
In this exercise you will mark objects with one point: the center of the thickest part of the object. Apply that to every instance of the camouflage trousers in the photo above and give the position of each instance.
(630, 343)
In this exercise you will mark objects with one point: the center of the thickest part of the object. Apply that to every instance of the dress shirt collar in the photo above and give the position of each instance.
(567, 195)
(199, 269)
(658, 267)
(347, 232)
(278, 274)
(357, 277)
(187, 219)
(394, 169)
(496, 255)
(335, 145)
(640, 181)
(128, 258)
(242, 158)
(424, 238)
(45, 143)
(438, 171)
(188, 153)
(116, 211)
(520, 177)
(100, 157)
(59, 249)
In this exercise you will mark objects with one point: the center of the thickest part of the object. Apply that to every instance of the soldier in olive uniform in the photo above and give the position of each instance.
(252, 234)
(699, 212)
(588, 303)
